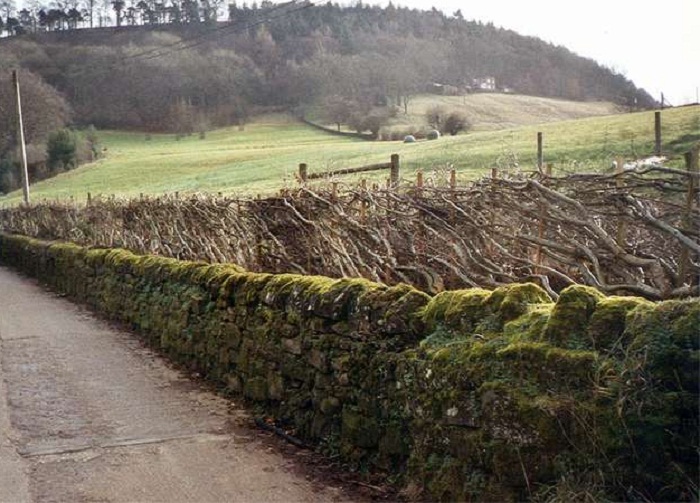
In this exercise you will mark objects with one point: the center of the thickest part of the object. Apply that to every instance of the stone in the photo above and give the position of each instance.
(275, 386)
(317, 359)
(256, 389)
(292, 345)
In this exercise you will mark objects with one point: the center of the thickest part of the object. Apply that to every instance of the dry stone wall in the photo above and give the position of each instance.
(466, 395)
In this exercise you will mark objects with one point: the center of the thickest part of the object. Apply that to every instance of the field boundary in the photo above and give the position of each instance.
(348, 134)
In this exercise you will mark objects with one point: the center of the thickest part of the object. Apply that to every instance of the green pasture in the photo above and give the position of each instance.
(264, 156)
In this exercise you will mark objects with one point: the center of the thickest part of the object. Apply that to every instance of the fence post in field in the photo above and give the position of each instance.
(394, 170)
(420, 240)
(542, 225)
(541, 228)
(453, 197)
(540, 153)
(492, 210)
(334, 191)
(303, 173)
(620, 183)
(419, 183)
(363, 203)
(691, 164)
(657, 133)
(89, 198)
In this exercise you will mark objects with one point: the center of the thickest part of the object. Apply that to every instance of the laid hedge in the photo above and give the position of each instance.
(466, 395)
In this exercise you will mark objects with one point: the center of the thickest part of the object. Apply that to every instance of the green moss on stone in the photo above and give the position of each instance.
(512, 301)
(530, 326)
(606, 327)
(568, 324)
(456, 310)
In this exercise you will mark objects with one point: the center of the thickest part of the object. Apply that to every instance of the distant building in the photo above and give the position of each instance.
(484, 84)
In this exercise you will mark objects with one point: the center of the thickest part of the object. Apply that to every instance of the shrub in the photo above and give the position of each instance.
(454, 123)
(92, 141)
(374, 123)
(435, 116)
(61, 149)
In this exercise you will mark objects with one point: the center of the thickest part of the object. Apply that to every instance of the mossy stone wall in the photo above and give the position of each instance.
(467, 395)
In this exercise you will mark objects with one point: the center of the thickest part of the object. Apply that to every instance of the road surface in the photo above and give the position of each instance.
(87, 413)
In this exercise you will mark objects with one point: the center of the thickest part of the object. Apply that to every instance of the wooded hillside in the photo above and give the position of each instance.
(163, 71)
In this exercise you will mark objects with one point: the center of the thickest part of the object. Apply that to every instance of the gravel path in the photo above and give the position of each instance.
(87, 413)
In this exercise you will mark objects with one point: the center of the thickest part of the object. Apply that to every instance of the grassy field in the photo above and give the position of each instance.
(264, 157)
(492, 111)
(488, 111)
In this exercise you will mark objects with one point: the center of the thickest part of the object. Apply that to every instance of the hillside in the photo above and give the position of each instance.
(161, 74)
(177, 70)
(264, 157)
(490, 111)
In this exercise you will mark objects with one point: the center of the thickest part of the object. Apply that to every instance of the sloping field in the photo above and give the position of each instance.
(264, 157)
(491, 111)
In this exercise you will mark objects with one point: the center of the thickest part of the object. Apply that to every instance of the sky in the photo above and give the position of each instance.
(654, 44)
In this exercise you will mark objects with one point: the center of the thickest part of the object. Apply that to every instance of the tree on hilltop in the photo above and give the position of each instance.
(118, 7)
(7, 8)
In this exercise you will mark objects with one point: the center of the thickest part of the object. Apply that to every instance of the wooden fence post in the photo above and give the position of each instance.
(657, 133)
(394, 170)
(540, 152)
(303, 174)
(492, 216)
(418, 232)
(691, 164)
(334, 191)
(89, 198)
(363, 204)
(620, 183)
(540, 235)
(419, 183)
(453, 196)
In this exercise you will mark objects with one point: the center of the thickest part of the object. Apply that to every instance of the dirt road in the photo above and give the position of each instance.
(89, 414)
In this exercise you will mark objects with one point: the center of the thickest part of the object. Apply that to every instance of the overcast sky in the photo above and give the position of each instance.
(654, 44)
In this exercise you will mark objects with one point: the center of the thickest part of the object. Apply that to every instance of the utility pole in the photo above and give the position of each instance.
(22, 145)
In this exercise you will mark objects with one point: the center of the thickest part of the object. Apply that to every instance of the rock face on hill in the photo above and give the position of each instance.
(188, 74)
